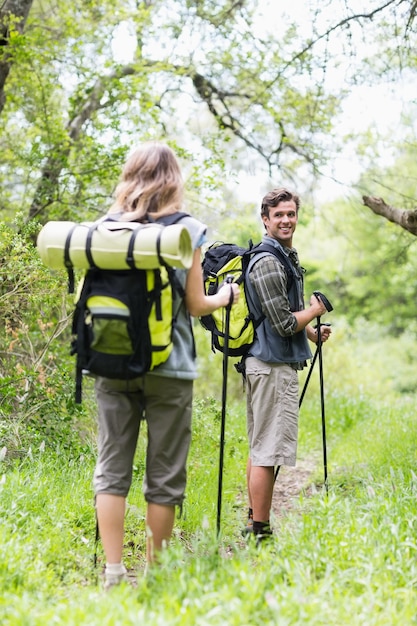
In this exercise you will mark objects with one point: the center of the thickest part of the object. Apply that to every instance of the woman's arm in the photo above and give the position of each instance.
(197, 302)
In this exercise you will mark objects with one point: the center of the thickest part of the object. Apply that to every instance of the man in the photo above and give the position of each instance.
(280, 349)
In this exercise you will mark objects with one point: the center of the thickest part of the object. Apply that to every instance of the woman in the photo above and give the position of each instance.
(151, 184)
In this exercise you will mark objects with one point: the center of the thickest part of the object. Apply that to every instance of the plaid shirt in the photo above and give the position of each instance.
(269, 280)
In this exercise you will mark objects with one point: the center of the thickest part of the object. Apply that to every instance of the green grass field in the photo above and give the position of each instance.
(343, 558)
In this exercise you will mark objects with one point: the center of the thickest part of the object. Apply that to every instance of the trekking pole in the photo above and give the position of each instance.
(300, 400)
(308, 378)
(320, 355)
(323, 420)
(229, 279)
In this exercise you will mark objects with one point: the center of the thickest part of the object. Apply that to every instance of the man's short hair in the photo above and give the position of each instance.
(274, 197)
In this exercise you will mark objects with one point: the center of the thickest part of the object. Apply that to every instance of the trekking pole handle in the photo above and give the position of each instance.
(229, 280)
(325, 301)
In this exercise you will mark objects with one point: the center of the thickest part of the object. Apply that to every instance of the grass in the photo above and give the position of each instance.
(345, 558)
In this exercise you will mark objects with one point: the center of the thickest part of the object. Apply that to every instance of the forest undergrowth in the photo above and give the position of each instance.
(342, 557)
(346, 556)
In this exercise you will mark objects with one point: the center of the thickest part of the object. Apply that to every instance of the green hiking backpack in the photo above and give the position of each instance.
(220, 261)
(124, 319)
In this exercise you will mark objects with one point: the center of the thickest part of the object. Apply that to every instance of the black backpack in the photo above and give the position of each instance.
(123, 320)
(227, 259)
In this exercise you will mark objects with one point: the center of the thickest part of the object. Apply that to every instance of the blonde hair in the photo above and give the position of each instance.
(151, 183)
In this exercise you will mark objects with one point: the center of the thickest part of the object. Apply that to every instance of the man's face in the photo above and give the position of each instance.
(281, 222)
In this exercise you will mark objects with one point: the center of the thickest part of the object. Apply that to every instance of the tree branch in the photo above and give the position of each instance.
(407, 219)
(216, 101)
(339, 25)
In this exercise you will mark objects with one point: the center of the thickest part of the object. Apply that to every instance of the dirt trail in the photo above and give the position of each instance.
(291, 482)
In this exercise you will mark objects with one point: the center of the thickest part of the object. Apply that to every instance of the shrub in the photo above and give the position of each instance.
(36, 379)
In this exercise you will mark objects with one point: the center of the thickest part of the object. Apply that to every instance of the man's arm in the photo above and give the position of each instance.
(312, 334)
(270, 282)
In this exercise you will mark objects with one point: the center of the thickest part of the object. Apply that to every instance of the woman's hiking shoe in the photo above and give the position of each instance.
(114, 575)
(113, 581)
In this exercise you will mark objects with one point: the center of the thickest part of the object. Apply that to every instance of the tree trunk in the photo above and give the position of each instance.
(48, 186)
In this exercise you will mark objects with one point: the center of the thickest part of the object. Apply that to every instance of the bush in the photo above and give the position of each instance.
(36, 379)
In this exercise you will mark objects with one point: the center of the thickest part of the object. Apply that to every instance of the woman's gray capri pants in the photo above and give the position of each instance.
(166, 406)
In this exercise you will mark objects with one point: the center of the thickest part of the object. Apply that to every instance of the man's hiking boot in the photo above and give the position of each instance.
(264, 538)
(262, 532)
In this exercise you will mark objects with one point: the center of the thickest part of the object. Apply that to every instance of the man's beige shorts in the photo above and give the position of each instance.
(272, 412)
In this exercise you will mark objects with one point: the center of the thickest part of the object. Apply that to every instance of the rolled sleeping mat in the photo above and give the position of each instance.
(109, 244)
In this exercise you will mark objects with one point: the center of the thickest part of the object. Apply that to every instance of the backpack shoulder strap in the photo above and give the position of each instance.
(284, 260)
(79, 331)
(169, 220)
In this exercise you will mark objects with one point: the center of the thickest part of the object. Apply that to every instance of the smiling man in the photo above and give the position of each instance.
(279, 351)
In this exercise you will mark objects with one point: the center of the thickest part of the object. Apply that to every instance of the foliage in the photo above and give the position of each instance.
(366, 266)
(229, 99)
(345, 558)
(232, 96)
(36, 378)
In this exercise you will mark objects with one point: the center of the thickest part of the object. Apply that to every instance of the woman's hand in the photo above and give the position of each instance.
(229, 293)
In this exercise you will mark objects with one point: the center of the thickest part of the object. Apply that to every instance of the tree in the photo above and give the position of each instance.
(223, 89)
(13, 15)
(231, 94)
(366, 266)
